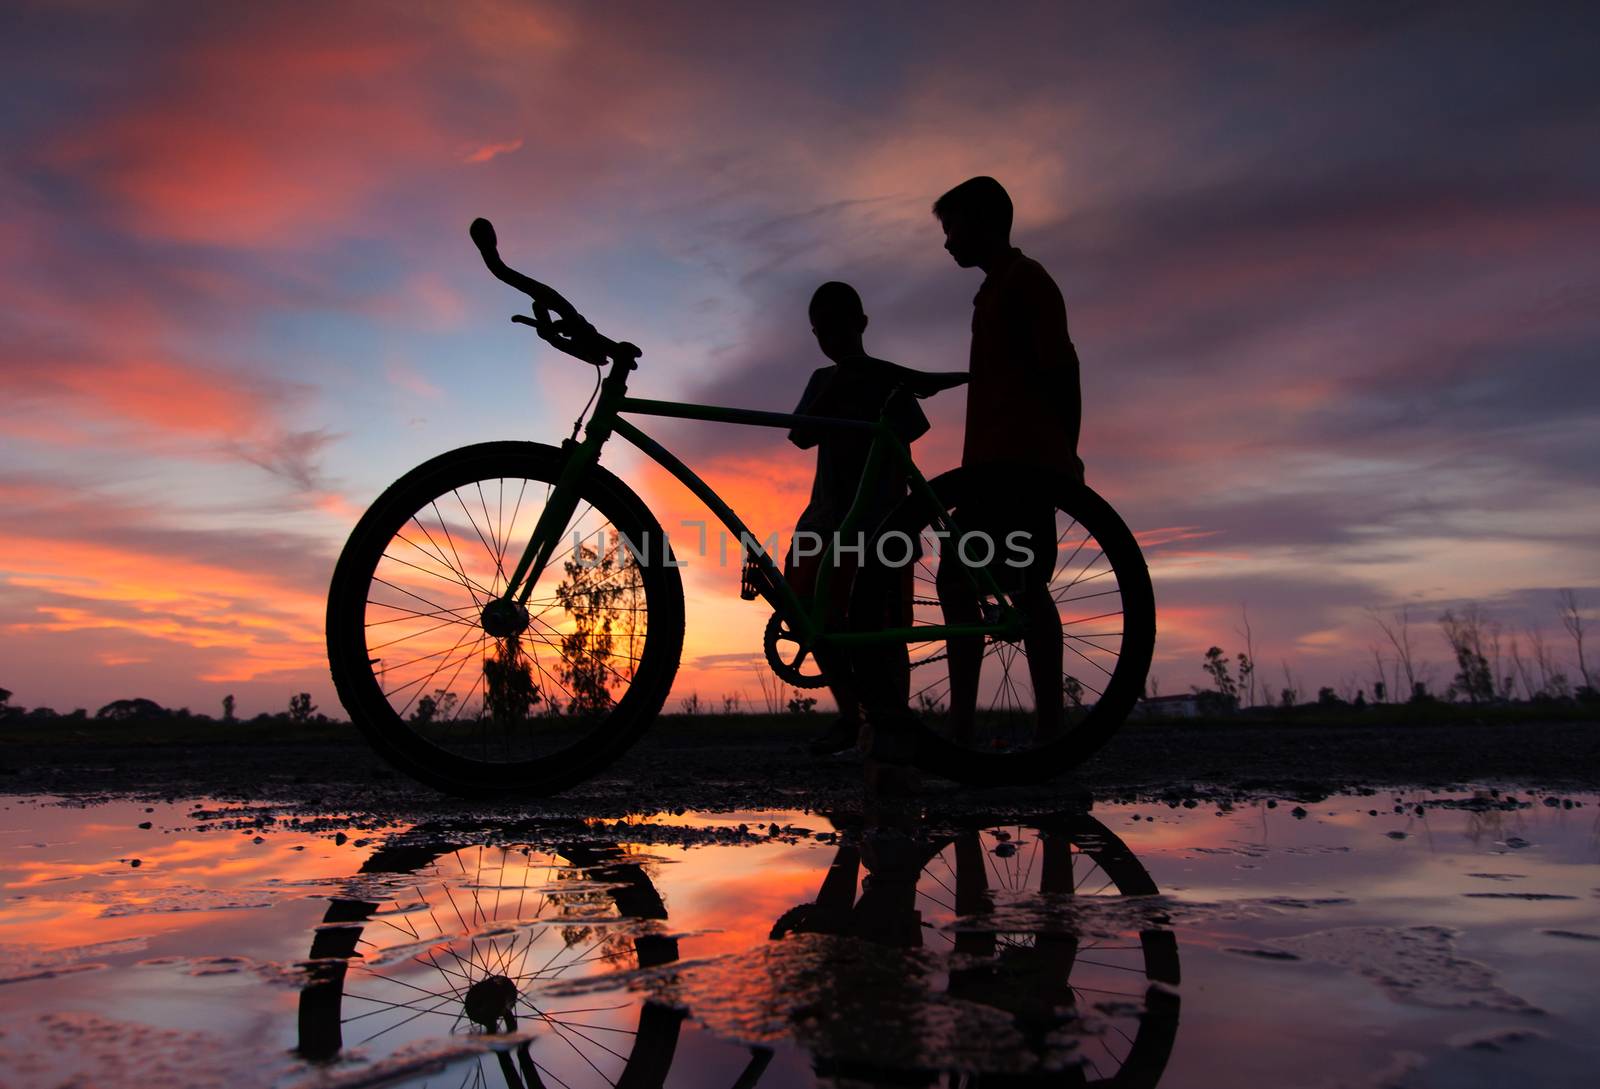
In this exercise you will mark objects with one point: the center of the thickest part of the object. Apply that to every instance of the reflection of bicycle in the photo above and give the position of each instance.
(508, 615)
(491, 941)
(438, 950)
(1104, 987)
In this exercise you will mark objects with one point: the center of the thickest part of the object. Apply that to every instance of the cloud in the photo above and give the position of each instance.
(485, 152)
(166, 407)
(135, 586)
(1320, 325)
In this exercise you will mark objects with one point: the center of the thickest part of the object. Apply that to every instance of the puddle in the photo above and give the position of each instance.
(1378, 940)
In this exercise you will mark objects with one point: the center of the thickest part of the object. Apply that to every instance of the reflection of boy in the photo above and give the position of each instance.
(855, 387)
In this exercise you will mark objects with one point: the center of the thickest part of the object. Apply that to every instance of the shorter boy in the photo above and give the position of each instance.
(855, 387)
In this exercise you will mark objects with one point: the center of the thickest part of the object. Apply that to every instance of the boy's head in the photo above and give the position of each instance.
(976, 217)
(838, 320)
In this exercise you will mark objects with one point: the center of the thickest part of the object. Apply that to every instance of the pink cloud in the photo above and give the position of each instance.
(485, 152)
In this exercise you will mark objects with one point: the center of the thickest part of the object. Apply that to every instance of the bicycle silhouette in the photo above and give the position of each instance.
(520, 953)
(509, 616)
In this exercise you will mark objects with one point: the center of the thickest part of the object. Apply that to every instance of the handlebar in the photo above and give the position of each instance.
(556, 320)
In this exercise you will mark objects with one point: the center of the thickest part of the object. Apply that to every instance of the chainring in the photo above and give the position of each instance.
(793, 672)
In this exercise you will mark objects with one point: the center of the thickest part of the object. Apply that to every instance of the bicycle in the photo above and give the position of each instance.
(480, 656)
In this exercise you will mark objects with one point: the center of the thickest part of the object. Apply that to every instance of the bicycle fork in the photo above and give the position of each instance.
(507, 615)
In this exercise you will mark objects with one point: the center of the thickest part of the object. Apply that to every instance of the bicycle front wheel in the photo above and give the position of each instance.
(538, 697)
(986, 727)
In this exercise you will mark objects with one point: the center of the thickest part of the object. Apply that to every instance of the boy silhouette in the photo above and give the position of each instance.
(854, 386)
(1024, 410)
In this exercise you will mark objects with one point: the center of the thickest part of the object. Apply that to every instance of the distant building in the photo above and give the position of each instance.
(1184, 705)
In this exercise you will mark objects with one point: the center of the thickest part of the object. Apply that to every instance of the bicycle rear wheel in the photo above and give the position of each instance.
(1100, 591)
(542, 697)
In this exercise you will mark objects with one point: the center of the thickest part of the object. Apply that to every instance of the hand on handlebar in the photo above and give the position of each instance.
(573, 335)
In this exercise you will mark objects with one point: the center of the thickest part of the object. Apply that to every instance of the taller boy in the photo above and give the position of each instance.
(1024, 409)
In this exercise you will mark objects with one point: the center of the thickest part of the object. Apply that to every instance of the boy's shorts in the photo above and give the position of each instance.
(802, 578)
(999, 512)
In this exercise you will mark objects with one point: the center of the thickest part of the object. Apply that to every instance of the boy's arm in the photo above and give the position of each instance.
(807, 437)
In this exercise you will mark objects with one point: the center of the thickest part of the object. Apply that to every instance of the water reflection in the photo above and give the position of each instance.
(478, 940)
(1025, 948)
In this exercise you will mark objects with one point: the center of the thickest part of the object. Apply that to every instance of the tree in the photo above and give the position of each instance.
(228, 705)
(301, 708)
(126, 710)
(1501, 682)
(1520, 669)
(1379, 685)
(1247, 660)
(602, 593)
(1072, 691)
(1572, 620)
(509, 694)
(801, 705)
(1465, 635)
(1216, 664)
(435, 707)
(1397, 629)
(1290, 695)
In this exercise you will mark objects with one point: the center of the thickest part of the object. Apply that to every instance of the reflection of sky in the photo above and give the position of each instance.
(1322, 327)
(1248, 881)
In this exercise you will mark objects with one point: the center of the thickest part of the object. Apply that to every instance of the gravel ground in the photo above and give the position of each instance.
(714, 765)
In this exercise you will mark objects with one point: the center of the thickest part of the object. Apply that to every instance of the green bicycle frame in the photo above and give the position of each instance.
(808, 620)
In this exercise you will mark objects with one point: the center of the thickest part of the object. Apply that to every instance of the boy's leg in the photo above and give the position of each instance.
(843, 676)
(1042, 640)
(959, 604)
(882, 671)
(1042, 637)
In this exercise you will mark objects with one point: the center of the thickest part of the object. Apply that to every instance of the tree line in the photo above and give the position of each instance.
(1489, 662)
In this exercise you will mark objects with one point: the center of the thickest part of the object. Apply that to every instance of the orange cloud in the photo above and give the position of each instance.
(265, 623)
(487, 152)
(163, 406)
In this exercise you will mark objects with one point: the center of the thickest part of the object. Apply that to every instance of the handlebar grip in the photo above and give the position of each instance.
(483, 237)
(570, 333)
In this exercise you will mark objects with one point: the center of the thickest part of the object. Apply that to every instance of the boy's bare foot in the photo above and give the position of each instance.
(890, 738)
(842, 734)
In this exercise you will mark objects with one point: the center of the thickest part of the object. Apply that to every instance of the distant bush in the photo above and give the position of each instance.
(122, 710)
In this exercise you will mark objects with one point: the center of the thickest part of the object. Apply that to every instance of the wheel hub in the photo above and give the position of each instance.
(488, 1000)
(502, 619)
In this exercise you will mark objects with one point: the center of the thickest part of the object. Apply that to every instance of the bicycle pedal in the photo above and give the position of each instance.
(750, 581)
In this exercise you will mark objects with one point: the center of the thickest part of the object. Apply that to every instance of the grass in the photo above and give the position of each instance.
(69, 731)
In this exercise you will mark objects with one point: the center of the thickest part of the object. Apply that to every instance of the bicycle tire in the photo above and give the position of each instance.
(516, 750)
(942, 889)
(389, 949)
(1122, 667)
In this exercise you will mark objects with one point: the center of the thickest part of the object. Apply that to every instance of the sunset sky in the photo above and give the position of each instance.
(1334, 279)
